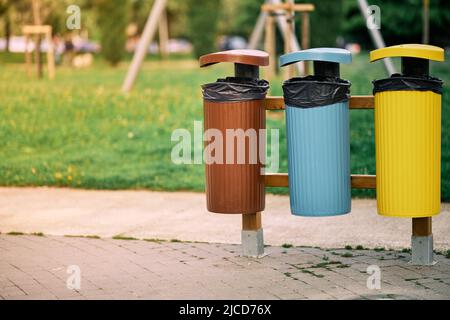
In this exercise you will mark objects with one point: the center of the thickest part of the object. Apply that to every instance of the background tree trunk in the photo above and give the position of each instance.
(37, 50)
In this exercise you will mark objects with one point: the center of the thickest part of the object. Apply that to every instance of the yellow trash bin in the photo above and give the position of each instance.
(408, 134)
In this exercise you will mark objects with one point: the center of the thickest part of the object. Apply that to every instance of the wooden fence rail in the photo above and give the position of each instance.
(358, 181)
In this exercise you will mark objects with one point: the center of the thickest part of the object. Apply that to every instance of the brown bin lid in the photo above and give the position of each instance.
(251, 57)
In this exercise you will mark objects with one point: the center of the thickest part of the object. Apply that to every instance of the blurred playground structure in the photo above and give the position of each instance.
(275, 14)
(276, 17)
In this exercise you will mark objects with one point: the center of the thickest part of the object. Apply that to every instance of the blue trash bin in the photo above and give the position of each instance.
(318, 134)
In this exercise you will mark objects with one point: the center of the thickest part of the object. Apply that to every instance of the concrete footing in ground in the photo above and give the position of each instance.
(422, 250)
(252, 243)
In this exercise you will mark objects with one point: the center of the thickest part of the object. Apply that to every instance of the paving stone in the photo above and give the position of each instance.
(36, 268)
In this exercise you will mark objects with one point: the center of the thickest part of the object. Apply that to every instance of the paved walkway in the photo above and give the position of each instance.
(33, 267)
(163, 215)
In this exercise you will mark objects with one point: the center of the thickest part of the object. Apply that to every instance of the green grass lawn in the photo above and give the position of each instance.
(81, 131)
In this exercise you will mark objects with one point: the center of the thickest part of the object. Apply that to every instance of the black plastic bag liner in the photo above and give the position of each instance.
(398, 82)
(315, 91)
(235, 89)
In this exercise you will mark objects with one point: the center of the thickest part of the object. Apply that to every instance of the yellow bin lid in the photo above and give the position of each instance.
(422, 51)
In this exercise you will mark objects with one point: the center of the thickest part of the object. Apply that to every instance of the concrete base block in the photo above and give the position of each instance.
(253, 243)
(422, 251)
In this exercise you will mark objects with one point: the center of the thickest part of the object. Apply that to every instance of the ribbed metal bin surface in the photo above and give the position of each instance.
(408, 153)
(235, 188)
(319, 160)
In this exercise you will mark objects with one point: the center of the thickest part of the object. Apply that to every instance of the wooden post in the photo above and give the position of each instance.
(270, 46)
(37, 50)
(41, 30)
(422, 242)
(149, 32)
(50, 54)
(290, 33)
(257, 32)
(422, 227)
(305, 37)
(28, 57)
(251, 221)
(163, 35)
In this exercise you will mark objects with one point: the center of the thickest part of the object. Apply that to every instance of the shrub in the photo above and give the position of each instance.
(112, 22)
(203, 17)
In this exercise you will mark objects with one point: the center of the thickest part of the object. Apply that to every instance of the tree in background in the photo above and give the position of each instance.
(241, 16)
(13, 14)
(112, 22)
(203, 16)
(401, 22)
(4, 12)
(326, 22)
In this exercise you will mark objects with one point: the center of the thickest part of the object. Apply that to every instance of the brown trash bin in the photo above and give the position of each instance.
(236, 103)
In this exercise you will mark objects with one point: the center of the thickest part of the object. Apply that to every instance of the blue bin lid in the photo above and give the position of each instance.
(336, 55)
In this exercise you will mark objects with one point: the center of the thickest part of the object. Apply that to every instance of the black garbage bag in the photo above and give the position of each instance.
(398, 82)
(315, 91)
(235, 89)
